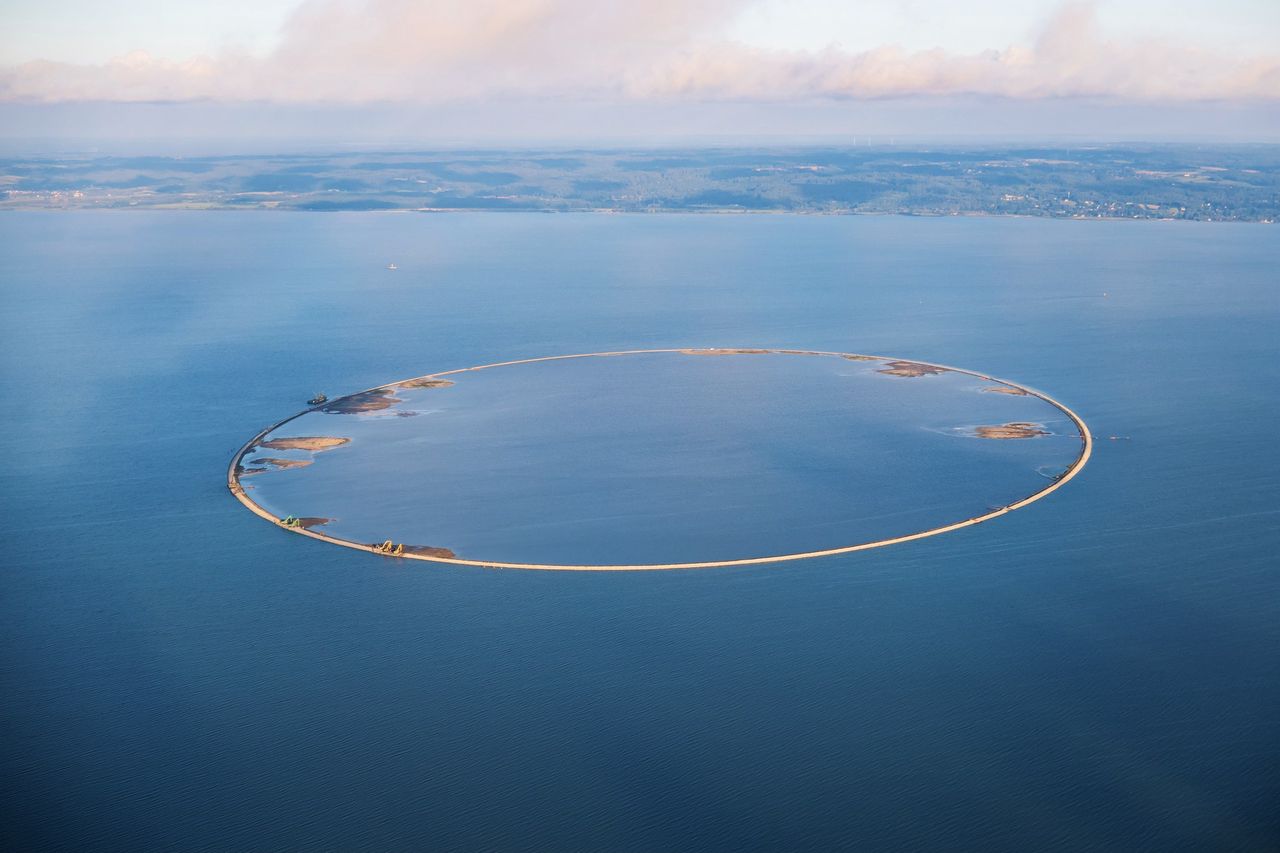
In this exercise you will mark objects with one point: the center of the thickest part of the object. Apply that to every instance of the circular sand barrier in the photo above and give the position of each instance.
(700, 433)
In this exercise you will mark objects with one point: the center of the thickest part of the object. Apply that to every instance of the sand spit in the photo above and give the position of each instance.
(1005, 389)
(1017, 429)
(314, 443)
(911, 368)
(281, 464)
(725, 351)
(851, 357)
(366, 401)
(425, 382)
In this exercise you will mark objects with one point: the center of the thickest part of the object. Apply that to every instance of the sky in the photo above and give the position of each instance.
(1159, 68)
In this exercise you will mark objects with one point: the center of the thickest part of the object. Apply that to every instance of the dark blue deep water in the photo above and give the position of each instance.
(1100, 670)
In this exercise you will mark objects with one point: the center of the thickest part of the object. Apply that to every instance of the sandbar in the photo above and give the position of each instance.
(280, 463)
(314, 443)
(429, 551)
(425, 382)
(912, 368)
(1017, 429)
(366, 401)
(1005, 389)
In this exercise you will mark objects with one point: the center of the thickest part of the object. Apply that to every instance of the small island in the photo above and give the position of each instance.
(314, 443)
(1017, 429)
(425, 382)
(366, 401)
(911, 368)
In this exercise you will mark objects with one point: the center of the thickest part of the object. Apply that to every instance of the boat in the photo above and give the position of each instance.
(317, 400)
(392, 267)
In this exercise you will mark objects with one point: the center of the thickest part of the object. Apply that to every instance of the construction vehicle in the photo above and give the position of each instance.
(390, 549)
(291, 521)
(317, 400)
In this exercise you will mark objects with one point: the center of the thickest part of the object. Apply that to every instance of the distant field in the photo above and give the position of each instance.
(1167, 182)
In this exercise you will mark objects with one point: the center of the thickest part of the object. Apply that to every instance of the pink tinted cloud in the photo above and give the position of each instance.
(357, 51)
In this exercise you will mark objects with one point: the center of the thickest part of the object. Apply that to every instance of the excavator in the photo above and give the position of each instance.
(291, 521)
(390, 549)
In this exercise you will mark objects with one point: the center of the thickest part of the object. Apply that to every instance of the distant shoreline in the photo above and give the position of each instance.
(1113, 182)
(481, 211)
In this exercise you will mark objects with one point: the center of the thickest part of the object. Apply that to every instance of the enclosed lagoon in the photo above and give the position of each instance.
(661, 458)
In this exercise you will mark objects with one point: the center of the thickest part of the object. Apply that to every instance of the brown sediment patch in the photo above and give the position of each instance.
(429, 551)
(1017, 429)
(242, 471)
(282, 464)
(911, 368)
(1005, 389)
(309, 521)
(314, 443)
(366, 401)
(852, 357)
(425, 382)
(724, 351)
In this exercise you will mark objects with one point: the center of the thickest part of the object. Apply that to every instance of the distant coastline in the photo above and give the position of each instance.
(1228, 183)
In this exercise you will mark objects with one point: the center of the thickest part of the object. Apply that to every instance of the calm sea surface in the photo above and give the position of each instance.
(1100, 670)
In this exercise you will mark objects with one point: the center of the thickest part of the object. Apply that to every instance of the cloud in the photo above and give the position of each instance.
(361, 51)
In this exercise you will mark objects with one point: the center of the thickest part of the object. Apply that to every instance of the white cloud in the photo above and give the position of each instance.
(359, 51)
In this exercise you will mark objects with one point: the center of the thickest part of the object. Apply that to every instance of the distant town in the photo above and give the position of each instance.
(1239, 183)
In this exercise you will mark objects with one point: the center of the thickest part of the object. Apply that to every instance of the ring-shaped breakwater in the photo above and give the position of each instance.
(235, 470)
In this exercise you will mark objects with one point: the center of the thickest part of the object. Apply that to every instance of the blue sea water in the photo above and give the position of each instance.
(1100, 670)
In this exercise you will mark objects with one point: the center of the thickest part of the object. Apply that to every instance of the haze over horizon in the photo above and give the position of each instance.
(388, 72)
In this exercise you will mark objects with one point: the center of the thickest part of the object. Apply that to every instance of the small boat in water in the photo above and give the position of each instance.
(392, 267)
(317, 400)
